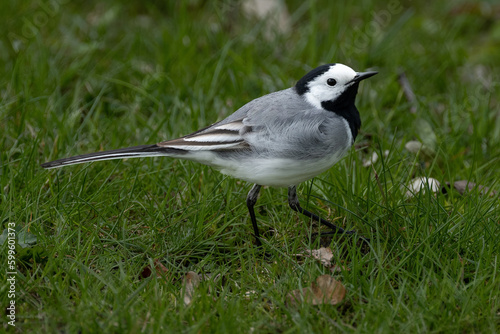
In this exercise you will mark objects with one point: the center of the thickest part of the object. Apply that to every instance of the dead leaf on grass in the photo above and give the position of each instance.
(190, 281)
(323, 255)
(464, 186)
(161, 270)
(325, 290)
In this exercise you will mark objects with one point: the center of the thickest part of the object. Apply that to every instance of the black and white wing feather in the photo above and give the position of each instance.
(213, 138)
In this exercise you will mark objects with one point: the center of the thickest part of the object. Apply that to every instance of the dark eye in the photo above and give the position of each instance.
(331, 82)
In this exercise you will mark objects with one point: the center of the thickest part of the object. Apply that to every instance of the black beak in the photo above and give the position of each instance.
(362, 76)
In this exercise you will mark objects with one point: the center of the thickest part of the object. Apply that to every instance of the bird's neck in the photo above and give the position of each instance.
(344, 107)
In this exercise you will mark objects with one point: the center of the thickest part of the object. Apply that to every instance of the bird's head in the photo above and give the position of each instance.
(330, 84)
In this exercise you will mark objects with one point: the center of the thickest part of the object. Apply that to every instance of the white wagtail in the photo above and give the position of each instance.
(280, 139)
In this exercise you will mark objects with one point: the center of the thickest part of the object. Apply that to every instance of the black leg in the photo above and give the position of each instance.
(293, 201)
(251, 200)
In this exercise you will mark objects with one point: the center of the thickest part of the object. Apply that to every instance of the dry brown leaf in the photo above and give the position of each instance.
(323, 254)
(325, 290)
(160, 269)
(190, 281)
(464, 186)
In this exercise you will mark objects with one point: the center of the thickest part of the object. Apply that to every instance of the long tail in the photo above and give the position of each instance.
(122, 153)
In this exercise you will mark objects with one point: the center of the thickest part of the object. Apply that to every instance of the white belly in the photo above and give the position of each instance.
(277, 172)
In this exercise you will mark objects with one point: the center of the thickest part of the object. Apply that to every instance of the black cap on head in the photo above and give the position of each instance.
(301, 85)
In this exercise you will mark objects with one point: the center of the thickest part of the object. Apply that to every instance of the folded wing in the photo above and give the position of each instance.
(215, 137)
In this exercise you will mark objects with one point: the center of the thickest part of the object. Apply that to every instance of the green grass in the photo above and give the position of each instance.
(104, 75)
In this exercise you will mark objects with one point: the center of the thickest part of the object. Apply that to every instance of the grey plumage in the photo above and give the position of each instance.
(280, 139)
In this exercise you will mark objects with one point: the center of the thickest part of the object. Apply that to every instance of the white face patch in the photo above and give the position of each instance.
(320, 90)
